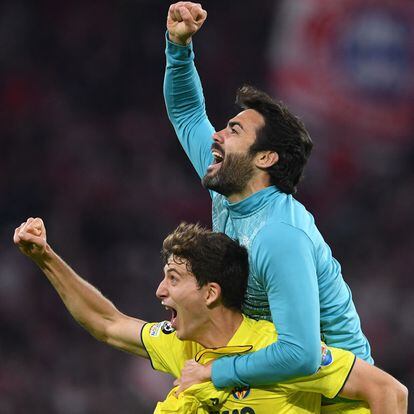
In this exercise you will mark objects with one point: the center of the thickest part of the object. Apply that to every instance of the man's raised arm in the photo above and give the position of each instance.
(85, 303)
(182, 87)
(283, 260)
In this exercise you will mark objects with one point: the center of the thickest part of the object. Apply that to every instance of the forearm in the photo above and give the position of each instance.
(387, 403)
(182, 86)
(85, 303)
(278, 362)
(185, 105)
(282, 256)
(380, 401)
(383, 393)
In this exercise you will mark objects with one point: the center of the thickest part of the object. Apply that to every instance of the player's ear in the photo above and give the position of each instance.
(213, 293)
(265, 159)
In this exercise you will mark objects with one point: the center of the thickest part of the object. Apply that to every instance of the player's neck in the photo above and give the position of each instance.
(220, 328)
(256, 184)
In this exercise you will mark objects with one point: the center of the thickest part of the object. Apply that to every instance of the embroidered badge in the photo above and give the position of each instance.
(240, 393)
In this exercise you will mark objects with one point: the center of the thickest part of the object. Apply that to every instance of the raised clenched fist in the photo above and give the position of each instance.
(184, 20)
(30, 237)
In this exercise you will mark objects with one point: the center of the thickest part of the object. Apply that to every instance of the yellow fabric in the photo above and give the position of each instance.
(302, 395)
(329, 379)
(198, 399)
(346, 408)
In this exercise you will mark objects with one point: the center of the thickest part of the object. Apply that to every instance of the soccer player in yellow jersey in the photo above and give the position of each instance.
(204, 282)
(168, 354)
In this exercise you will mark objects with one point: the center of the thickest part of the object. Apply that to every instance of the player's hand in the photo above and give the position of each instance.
(184, 20)
(192, 373)
(30, 238)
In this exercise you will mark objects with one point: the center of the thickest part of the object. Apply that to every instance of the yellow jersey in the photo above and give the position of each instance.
(301, 395)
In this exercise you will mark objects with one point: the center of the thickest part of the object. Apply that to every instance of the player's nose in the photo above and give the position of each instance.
(219, 137)
(162, 291)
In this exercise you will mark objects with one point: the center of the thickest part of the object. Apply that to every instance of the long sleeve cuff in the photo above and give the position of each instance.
(177, 54)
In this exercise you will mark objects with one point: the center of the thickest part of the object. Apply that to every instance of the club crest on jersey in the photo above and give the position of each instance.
(327, 357)
(240, 393)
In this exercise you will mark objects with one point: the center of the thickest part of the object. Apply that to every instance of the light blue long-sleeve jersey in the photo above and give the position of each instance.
(294, 280)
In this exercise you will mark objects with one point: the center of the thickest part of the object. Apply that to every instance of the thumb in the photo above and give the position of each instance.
(178, 391)
(27, 237)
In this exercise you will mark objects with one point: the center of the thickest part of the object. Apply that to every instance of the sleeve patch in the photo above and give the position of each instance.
(327, 357)
(164, 327)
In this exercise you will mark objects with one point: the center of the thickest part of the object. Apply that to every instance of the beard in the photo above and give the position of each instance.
(232, 177)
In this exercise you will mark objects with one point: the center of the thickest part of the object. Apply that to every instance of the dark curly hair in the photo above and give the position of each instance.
(283, 133)
(211, 257)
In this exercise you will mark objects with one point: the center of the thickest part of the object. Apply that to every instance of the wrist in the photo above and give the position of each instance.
(207, 372)
(181, 41)
(45, 257)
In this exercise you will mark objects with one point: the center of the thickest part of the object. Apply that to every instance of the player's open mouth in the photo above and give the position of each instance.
(218, 157)
(173, 319)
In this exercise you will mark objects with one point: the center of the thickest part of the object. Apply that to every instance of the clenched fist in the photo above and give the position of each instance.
(30, 238)
(192, 373)
(184, 19)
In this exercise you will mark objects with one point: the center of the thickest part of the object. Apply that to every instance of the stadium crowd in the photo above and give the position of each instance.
(86, 144)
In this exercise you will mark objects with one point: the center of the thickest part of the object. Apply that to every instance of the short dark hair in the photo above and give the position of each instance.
(211, 257)
(283, 133)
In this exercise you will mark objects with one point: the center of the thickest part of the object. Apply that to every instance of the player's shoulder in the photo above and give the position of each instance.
(261, 332)
(161, 335)
(276, 232)
(159, 329)
(289, 212)
(166, 351)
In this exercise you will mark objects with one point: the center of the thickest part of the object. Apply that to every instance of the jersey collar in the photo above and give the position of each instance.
(253, 203)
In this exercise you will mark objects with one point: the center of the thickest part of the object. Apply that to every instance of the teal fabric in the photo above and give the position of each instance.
(294, 280)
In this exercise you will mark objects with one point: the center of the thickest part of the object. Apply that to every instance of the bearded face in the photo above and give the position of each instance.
(233, 158)
(229, 173)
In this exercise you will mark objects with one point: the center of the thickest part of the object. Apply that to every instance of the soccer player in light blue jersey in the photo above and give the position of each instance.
(252, 168)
